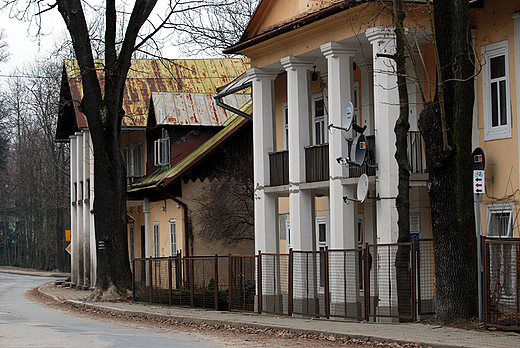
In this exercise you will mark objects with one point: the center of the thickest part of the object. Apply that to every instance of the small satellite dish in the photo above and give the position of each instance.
(358, 151)
(348, 116)
(362, 188)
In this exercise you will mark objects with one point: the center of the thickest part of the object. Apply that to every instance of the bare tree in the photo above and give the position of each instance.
(224, 208)
(209, 30)
(4, 53)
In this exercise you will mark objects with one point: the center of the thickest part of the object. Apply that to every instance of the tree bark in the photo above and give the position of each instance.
(450, 185)
(404, 281)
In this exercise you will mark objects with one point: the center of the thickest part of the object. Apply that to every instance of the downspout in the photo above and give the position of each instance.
(221, 95)
(187, 227)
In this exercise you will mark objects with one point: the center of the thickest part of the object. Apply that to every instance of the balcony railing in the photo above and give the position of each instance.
(317, 161)
(279, 167)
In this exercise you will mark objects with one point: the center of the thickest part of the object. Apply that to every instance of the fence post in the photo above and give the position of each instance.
(215, 280)
(290, 290)
(170, 280)
(151, 278)
(485, 290)
(230, 280)
(133, 280)
(366, 259)
(192, 287)
(259, 275)
(414, 280)
(326, 281)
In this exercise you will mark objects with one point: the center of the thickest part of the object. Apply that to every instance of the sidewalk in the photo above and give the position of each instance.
(426, 335)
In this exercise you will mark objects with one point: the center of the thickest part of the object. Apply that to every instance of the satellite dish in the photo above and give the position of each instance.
(362, 188)
(358, 151)
(347, 116)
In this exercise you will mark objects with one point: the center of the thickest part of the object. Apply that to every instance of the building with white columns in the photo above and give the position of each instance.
(308, 61)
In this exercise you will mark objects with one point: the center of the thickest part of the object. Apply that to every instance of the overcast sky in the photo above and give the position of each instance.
(23, 45)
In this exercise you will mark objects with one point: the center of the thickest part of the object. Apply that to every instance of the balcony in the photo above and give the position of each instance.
(317, 161)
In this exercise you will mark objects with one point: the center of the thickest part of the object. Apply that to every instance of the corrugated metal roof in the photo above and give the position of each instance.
(167, 175)
(158, 75)
(194, 109)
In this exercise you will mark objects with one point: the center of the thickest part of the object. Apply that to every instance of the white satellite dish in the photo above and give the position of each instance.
(362, 188)
(358, 151)
(347, 116)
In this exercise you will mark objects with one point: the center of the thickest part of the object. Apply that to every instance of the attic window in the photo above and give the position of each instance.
(162, 150)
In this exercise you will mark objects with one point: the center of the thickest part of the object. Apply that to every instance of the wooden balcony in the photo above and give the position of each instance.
(317, 161)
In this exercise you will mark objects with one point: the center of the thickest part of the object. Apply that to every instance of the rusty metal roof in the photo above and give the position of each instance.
(194, 109)
(147, 76)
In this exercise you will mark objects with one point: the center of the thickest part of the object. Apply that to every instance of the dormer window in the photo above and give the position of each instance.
(162, 150)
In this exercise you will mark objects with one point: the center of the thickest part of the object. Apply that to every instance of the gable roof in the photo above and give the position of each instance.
(144, 77)
(271, 18)
(166, 175)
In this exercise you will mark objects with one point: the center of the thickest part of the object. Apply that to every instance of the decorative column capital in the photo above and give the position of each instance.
(259, 74)
(377, 34)
(293, 63)
(334, 49)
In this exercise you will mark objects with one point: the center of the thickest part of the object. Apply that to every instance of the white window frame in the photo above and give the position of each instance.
(162, 150)
(321, 246)
(319, 120)
(173, 237)
(133, 156)
(500, 209)
(490, 51)
(156, 246)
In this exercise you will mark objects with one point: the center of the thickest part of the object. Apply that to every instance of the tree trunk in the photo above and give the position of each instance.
(402, 202)
(450, 185)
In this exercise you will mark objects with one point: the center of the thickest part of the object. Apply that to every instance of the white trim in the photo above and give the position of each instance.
(321, 120)
(492, 51)
(156, 245)
(285, 116)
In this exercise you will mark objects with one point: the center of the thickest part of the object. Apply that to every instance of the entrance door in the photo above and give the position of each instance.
(143, 254)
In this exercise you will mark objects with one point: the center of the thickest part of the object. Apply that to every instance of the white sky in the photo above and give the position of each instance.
(23, 45)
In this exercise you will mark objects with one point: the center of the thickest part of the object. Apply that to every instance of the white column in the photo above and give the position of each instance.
(86, 211)
(74, 262)
(299, 124)
(340, 81)
(79, 205)
(266, 205)
(147, 238)
(93, 252)
(367, 96)
(386, 112)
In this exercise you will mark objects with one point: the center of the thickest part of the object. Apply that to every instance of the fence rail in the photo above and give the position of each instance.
(394, 281)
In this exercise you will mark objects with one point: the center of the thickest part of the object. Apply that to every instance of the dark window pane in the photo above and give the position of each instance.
(498, 67)
(319, 107)
(494, 105)
(503, 104)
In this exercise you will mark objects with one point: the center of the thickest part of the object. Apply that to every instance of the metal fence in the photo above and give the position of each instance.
(358, 284)
(501, 278)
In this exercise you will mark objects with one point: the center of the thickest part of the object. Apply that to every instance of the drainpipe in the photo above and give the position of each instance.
(187, 228)
(225, 92)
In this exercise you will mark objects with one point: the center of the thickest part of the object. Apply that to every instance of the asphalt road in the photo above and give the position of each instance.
(24, 323)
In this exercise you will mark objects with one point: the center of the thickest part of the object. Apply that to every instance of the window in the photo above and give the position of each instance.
(173, 237)
(156, 250)
(495, 87)
(133, 156)
(132, 241)
(318, 113)
(500, 220)
(321, 236)
(502, 256)
(162, 150)
(285, 126)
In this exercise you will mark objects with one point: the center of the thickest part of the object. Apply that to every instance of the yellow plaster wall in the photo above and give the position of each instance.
(163, 211)
(133, 137)
(494, 24)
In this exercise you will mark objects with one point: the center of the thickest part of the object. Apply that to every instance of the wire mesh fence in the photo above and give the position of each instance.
(501, 279)
(394, 280)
